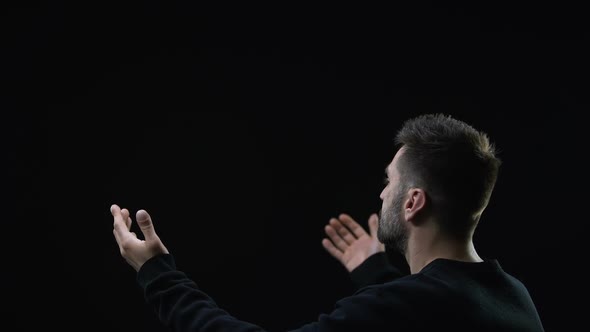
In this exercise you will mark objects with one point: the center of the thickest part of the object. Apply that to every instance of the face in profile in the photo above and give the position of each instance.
(392, 231)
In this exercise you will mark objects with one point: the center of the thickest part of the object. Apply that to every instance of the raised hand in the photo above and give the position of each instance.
(136, 251)
(349, 243)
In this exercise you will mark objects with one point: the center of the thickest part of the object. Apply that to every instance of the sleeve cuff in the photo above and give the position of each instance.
(154, 267)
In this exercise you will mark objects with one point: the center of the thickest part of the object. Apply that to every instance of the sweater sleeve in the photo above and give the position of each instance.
(179, 303)
(374, 270)
(182, 307)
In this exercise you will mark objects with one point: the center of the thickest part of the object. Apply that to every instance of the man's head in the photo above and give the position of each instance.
(444, 170)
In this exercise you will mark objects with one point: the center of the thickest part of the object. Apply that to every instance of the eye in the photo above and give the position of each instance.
(386, 180)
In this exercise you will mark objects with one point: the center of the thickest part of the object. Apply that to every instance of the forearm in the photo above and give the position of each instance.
(179, 303)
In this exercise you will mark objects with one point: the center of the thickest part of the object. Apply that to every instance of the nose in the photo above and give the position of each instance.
(382, 195)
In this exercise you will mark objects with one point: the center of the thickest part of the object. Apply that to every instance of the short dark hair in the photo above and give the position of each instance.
(454, 163)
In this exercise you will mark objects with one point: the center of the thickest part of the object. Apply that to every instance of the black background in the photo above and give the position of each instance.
(243, 128)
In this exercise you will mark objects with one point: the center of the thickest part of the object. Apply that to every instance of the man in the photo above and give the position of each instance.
(438, 185)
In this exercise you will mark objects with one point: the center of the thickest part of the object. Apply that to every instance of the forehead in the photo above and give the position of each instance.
(392, 167)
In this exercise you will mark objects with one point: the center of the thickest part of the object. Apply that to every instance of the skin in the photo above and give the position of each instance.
(416, 234)
(136, 251)
(349, 243)
(425, 240)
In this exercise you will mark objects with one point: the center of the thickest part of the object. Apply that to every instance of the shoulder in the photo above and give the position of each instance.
(407, 286)
(397, 302)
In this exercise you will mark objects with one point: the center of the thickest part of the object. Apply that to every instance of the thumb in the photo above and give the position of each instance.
(145, 224)
(373, 224)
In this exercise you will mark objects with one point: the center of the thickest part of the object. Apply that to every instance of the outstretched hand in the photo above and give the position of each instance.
(349, 243)
(136, 251)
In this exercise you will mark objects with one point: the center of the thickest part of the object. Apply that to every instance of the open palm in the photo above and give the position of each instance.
(349, 243)
(136, 251)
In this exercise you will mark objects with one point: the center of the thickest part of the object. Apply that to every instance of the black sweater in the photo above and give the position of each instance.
(445, 295)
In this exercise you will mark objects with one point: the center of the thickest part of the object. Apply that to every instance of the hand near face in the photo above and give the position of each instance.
(349, 243)
(136, 251)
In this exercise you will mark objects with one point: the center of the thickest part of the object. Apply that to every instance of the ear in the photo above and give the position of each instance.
(415, 203)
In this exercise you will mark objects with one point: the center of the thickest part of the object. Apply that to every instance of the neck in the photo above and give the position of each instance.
(426, 245)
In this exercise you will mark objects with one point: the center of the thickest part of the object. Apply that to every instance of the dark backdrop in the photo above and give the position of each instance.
(243, 129)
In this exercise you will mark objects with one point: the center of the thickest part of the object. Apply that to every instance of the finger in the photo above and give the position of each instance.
(119, 226)
(117, 237)
(114, 208)
(342, 231)
(134, 235)
(145, 224)
(373, 224)
(351, 224)
(336, 239)
(125, 214)
(329, 246)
